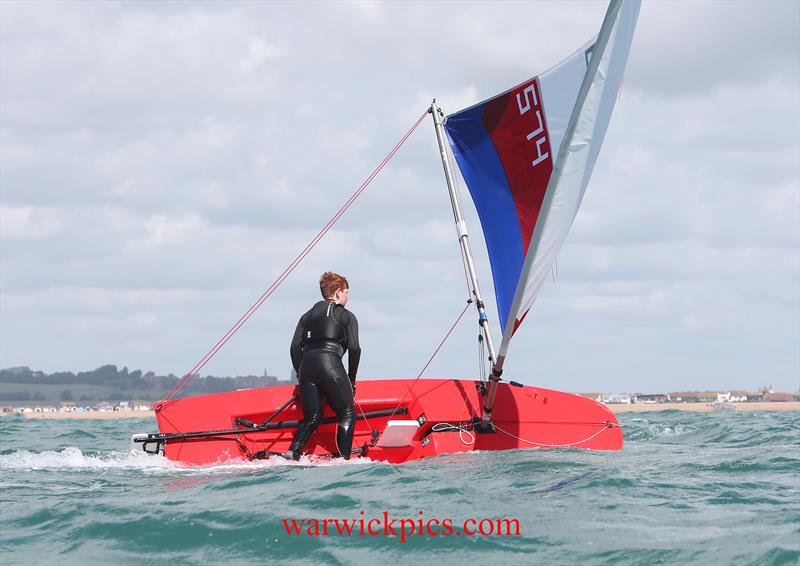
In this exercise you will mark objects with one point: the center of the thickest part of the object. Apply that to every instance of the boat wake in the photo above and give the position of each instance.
(73, 458)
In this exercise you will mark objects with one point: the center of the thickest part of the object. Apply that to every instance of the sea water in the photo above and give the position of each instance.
(688, 488)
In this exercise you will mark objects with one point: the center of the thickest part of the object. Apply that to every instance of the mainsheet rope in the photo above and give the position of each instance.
(463, 429)
(604, 426)
(291, 267)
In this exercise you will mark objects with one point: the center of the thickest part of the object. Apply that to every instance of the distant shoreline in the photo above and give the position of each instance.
(782, 406)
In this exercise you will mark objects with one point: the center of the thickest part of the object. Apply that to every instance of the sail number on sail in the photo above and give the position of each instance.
(538, 135)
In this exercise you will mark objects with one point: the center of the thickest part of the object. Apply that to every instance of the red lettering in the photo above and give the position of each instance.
(369, 527)
(344, 526)
(407, 527)
(403, 523)
(507, 523)
(313, 524)
(295, 527)
(387, 524)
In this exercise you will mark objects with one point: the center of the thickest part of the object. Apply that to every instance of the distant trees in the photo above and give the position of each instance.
(110, 383)
(17, 396)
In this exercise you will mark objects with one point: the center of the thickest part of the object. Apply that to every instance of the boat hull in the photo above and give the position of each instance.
(443, 409)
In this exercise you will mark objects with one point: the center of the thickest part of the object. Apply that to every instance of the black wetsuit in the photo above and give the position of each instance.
(321, 338)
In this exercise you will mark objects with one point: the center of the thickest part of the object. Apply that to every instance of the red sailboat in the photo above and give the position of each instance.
(526, 156)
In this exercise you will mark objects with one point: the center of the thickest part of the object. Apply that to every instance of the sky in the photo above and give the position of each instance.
(162, 163)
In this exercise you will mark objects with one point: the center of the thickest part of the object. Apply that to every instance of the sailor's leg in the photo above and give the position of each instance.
(339, 394)
(345, 430)
(312, 415)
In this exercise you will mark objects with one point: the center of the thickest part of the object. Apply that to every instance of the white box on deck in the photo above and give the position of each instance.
(398, 433)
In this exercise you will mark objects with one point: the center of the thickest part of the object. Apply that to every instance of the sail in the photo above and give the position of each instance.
(527, 156)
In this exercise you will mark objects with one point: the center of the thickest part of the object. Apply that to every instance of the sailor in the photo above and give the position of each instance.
(321, 338)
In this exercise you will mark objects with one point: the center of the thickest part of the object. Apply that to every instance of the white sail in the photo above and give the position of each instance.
(577, 155)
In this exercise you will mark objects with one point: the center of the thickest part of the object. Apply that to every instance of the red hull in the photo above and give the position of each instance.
(525, 417)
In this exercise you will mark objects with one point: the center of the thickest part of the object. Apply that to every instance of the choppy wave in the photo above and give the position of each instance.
(688, 488)
(723, 428)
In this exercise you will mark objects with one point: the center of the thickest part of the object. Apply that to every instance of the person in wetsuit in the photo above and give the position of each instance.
(320, 340)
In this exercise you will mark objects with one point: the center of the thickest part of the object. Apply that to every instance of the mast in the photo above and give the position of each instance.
(463, 240)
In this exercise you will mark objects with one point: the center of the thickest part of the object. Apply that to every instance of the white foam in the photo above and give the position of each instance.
(659, 430)
(73, 458)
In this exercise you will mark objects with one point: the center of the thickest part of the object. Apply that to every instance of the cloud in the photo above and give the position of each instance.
(161, 164)
(260, 52)
(693, 47)
(27, 223)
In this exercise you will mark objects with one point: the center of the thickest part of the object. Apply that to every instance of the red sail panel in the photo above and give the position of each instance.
(517, 126)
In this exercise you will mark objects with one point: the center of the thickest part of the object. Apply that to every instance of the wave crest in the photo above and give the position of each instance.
(73, 458)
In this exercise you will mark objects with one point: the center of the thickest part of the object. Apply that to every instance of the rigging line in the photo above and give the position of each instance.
(605, 427)
(360, 408)
(363, 414)
(222, 341)
(449, 332)
(446, 336)
(481, 358)
(462, 430)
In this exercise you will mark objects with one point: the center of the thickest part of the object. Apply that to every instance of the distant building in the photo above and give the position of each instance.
(731, 397)
(693, 396)
(779, 397)
(651, 398)
(616, 398)
(592, 396)
(740, 396)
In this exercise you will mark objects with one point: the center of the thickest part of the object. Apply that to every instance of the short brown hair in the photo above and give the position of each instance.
(331, 282)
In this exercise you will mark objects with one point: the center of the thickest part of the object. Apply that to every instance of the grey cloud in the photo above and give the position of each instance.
(697, 46)
(171, 159)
